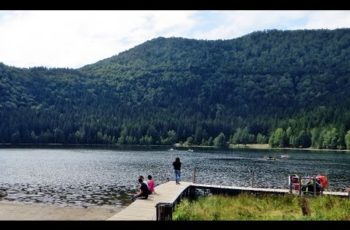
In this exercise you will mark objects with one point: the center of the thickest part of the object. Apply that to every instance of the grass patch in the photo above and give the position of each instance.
(263, 207)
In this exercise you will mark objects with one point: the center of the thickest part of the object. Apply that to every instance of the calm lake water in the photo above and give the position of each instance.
(80, 177)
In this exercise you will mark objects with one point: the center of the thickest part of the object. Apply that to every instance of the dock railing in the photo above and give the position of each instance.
(296, 184)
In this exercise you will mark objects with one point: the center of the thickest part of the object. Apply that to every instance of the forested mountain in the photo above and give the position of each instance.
(288, 88)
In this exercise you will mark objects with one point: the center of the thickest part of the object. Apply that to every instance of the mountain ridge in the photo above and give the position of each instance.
(170, 90)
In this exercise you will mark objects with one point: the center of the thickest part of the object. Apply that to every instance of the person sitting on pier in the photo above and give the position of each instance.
(150, 183)
(143, 180)
(313, 185)
(143, 193)
(323, 181)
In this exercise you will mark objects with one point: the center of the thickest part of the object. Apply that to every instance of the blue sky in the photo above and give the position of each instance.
(76, 38)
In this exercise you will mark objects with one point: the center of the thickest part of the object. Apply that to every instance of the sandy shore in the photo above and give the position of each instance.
(23, 211)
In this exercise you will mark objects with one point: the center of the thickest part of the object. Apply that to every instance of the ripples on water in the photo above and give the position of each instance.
(83, 195)
(109, 177)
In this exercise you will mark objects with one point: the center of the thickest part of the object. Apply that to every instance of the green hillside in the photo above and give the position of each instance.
(287, 87)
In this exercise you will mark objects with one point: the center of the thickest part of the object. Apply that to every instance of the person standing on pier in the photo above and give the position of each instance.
(177, 168)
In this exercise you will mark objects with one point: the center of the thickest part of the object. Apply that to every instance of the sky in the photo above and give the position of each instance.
(72, 39)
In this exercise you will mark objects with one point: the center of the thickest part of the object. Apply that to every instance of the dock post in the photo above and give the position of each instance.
(290, 184)
(164, 211)
(314, 181)
(192, 192)
(194, 176)
(300, 185)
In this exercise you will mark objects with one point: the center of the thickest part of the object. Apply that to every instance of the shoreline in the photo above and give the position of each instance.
(266, 147)
(158, 147)
(12, 210)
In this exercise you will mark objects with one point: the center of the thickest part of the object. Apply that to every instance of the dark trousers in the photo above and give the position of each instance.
(141, 196)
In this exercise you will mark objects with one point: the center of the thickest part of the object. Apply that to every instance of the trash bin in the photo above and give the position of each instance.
(164, 211)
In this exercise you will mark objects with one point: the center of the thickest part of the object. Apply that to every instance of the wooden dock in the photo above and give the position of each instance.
(146, 209)
(169, 192)
(260, 190)
(242, 189)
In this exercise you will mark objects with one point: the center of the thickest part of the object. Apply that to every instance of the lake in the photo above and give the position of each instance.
(85, 177)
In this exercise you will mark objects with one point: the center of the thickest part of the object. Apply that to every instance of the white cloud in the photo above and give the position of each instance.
(328, 20)
(234, 24)
(76, 38)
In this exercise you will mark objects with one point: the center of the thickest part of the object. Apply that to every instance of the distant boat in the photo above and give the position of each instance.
(285, 156)
(190, 150)
(171, 149)
(270, 158)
